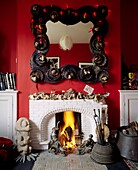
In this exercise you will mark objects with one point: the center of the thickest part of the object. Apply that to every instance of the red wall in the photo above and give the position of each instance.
(25, 48)
(129, 31)
(8, 36)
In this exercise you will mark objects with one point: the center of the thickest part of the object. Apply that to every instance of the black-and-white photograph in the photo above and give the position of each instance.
(53, 62)
(85, 64)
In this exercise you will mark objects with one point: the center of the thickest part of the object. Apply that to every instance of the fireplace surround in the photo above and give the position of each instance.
(42, 118)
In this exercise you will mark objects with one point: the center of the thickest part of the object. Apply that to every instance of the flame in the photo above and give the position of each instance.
(69, 120)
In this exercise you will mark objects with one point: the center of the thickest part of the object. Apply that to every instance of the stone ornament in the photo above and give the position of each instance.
(23, 124)
(23, 141)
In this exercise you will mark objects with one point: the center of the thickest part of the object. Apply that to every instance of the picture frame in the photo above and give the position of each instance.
(85, 64)
(53, 61)
(134, 67)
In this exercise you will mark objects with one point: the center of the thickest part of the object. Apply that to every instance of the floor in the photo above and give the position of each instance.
(49, 161)
(73, 161)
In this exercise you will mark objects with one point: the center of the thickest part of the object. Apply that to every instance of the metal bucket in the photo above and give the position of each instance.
(127, 145)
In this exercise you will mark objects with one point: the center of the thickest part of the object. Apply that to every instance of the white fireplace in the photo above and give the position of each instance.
(42, 117)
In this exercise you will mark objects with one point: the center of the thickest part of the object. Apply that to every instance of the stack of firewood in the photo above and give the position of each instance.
(132, 129)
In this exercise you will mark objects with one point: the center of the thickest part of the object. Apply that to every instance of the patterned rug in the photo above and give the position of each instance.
(131, 164)
(48, 161)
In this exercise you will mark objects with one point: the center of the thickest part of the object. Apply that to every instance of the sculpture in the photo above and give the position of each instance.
(86, 146)
(54, 146)
(23, 140)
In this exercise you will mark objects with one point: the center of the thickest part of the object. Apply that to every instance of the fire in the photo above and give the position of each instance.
(68, 129)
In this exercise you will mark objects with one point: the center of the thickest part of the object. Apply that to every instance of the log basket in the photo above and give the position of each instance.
(127, 145)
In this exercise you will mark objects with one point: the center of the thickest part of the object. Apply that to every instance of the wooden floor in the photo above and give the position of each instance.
(48, 161)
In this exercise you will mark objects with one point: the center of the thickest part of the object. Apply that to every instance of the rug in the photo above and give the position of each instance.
(131, 164)
(48, 161)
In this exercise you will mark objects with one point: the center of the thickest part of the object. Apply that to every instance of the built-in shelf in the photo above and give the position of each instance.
(8, 113)
(128, 106)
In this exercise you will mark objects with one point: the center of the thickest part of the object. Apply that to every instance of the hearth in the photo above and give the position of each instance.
(69, 124)
(44, 115)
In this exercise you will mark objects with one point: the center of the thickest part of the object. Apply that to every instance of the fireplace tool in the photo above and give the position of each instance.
(102, 151)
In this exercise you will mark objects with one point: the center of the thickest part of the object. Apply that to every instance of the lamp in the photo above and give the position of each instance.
(66, 42)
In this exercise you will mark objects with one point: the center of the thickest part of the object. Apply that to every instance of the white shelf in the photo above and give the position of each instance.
(8, 113)
(128, 106)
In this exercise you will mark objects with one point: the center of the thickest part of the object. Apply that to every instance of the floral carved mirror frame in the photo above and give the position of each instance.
(42, 72)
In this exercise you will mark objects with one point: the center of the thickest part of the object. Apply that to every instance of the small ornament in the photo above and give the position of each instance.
(66, 42)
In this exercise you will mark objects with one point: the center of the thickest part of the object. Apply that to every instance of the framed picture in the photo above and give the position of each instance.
(85, 64)
(53, 61)
(134, 67)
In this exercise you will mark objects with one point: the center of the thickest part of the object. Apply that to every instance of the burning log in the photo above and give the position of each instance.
(69, 133)
(63, 140)
(66, 136)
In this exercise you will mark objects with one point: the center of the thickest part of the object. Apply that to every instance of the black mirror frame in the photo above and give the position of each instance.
(41, 70)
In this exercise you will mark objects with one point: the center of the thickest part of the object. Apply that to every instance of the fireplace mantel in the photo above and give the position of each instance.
(42, 117)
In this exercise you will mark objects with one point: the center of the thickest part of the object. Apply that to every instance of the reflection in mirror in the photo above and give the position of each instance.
(96, 17)
(79, 32)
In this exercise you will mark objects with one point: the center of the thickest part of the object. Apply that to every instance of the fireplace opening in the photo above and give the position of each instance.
(70, 132)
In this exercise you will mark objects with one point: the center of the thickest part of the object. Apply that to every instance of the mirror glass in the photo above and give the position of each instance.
(79, 33)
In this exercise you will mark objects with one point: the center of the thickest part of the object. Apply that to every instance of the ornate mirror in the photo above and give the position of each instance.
(42, 69)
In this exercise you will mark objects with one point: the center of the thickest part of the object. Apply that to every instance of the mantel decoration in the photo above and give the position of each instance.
(42, 71)
(70, 94)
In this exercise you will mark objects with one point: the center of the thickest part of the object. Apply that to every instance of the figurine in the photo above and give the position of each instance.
(54, 146)
(86, 146)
